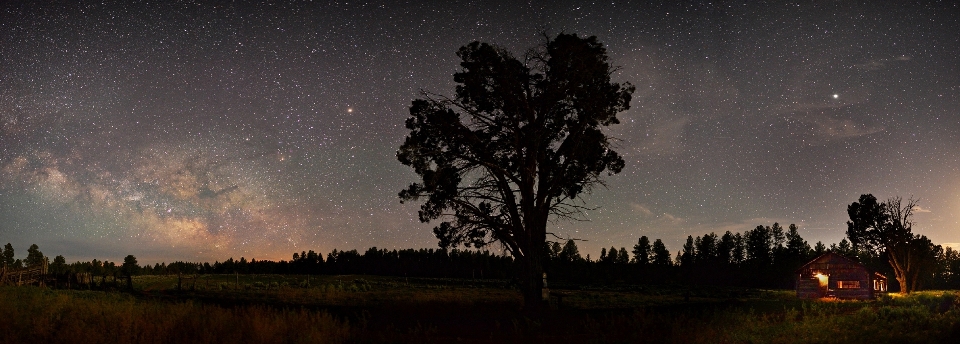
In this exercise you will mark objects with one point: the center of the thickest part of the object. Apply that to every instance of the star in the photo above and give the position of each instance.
(192, 141)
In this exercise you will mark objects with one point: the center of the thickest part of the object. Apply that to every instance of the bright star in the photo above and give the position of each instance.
(835, 96)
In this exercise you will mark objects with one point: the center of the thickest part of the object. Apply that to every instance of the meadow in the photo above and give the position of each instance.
(374, 309)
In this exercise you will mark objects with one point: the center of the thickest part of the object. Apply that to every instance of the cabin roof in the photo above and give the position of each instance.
(833, 258)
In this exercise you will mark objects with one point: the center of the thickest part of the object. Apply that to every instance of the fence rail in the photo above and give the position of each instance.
(27, 276)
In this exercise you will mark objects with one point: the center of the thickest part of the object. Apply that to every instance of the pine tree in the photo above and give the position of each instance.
(623, 257)
(641, 251)
(34, 256)
(661, 256)
(8, 256)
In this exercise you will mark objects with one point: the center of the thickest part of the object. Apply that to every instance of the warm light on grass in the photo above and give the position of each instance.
(335, 309)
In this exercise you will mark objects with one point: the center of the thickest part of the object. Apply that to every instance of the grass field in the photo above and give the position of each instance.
(361, 309)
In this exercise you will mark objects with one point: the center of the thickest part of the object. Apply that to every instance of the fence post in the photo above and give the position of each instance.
(43, 272)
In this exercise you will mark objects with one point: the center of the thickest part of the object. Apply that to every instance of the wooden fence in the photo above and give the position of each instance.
(42, 276)
(27, 276)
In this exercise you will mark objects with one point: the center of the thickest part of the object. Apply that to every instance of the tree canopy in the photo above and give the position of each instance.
(886, 229)
(129, 266)
(519, 142)
(8, 254)
(641, 251)
(34, 256)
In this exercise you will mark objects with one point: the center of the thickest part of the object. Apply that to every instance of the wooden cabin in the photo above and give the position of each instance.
(833, 275)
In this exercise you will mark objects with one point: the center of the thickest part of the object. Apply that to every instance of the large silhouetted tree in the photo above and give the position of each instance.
(519, 142)
(886, 229)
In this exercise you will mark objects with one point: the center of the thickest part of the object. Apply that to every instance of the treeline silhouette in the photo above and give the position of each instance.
(763, 257)
(407, 262)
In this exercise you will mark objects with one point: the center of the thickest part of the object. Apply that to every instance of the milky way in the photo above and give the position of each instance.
(199, 131)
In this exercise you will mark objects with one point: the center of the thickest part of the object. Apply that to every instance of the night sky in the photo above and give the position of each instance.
(198, 132)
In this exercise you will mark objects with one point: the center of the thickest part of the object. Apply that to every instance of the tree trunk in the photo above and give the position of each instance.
(531, 285)
(531, 268)
(900, 271)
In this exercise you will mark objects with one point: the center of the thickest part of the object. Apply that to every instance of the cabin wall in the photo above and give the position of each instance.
(809, 288)
(861, 277)
(844, 279)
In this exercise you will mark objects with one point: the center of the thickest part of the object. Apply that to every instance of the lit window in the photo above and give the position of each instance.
(848, 284)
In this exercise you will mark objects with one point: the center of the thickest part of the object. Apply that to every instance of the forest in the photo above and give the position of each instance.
(763, 257)
(732, 287)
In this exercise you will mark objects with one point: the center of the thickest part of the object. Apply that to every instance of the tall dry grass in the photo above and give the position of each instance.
(924, 317)
(404, 313)
(37, 315)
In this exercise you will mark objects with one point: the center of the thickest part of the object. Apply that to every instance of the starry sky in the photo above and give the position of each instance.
(200, 131)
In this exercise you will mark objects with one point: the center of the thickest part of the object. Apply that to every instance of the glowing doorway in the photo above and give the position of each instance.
(823, 280)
